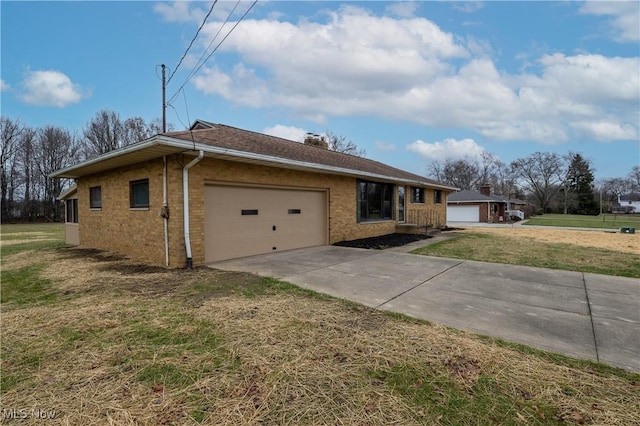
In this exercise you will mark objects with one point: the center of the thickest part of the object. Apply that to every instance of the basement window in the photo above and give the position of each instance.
(139, 193)
(95, 197)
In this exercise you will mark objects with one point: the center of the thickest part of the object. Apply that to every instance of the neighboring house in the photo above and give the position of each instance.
(473, 206)
(216, 192)
(629, 203)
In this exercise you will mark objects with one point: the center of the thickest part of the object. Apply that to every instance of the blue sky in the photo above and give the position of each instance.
(411, 82)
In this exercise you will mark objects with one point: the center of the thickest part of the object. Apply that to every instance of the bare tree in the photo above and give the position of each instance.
(104, 133)
(542, 173)
(31, 181)
(634, 179)
(56, 148)
(10, 132)
(341, 144)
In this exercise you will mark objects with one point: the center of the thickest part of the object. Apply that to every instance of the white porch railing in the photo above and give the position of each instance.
(517, 213)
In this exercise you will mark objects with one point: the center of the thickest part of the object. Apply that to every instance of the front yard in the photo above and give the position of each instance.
(93, 338)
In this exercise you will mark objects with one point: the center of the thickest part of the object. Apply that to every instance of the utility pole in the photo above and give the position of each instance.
(164, 102)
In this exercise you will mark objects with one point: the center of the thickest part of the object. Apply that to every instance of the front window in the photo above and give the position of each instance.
(437, 196)
(401, 204)
(375, 201)
(417, 195)
(139, 193)
(95, 197)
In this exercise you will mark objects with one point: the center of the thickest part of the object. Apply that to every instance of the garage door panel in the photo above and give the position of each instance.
(299, 218)
(463, 213)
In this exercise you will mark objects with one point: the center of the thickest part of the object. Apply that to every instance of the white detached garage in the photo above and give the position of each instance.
(463, 213)
(247, 220)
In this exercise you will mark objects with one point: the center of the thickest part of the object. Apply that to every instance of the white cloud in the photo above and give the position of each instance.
(408, 69)
(624, 17)
(403, 9)
(286, 132)
(4, 86)
(468, 6)
(385, 146)
(448, 149)
(606, 130)
(50, 88)
(179, 11)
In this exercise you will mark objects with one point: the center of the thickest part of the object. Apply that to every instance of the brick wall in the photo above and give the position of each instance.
(117, 227)
(139, 233)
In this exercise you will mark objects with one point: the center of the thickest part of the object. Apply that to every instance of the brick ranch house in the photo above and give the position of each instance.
(215, 192)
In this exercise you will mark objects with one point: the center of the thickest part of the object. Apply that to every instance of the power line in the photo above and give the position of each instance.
(192, 41)
(197, 67)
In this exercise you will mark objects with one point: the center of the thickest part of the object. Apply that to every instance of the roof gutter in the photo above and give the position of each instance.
(288, 162)
(182, 145)
(185, 203)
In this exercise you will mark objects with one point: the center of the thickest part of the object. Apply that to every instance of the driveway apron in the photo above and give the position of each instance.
(588, 316)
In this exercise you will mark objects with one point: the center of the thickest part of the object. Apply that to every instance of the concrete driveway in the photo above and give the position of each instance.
(589, 316)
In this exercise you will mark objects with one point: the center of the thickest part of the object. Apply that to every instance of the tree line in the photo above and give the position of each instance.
(28, 155)
(554, 183)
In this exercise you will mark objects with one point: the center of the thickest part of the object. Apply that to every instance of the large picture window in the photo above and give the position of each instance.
(375, 201)
(139, 193)
(95, 197)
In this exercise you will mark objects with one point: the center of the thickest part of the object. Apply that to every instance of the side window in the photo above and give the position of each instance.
(417, 195)
(437, 196)
(95, 197)
(72, 210)
(139, 193)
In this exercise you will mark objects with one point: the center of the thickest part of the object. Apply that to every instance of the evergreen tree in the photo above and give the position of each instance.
(580, 183)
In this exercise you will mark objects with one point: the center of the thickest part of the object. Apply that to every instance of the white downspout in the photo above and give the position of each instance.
(165, 212)
(185, 203)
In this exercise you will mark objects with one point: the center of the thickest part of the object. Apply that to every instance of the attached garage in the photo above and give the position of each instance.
(245, 221)
(463, 213)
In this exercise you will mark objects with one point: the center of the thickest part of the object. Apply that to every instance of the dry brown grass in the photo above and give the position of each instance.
(278, 357)
(629, 243)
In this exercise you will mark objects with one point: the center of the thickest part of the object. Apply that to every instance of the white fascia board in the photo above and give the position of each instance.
(111, 154)
(184, 145)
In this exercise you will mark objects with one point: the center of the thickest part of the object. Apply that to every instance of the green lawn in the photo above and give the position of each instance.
(608, 221)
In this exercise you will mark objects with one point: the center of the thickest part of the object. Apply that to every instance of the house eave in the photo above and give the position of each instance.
(161, 145)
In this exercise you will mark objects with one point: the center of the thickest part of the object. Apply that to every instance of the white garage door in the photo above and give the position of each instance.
(245, 221)
(463, 213)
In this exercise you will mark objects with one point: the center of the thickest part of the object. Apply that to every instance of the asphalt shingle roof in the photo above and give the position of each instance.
(468, 196)
(223, 136)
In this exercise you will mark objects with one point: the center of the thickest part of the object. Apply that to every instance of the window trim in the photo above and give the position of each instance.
(95, 203)
(132, 204)
(414, 198)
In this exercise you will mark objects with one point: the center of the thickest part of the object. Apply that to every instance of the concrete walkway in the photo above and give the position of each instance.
(588, 316)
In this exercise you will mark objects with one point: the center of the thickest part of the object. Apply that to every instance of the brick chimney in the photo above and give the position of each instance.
(316, 140)
(485, 189)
